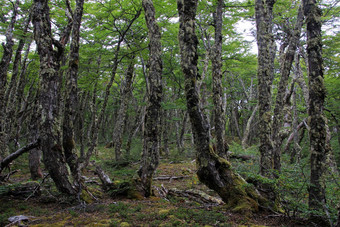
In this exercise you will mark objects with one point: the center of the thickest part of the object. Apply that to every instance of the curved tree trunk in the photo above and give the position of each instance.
(150, 156)
(53, 157)
(212, 170)
(265, 74)
(317, 120)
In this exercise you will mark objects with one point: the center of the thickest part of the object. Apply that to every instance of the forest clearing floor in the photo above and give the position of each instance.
(52, 209)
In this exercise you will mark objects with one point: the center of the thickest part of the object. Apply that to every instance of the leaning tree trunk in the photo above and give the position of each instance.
(265, 74)
(150, 156)
(317, 120)
(4, 65)
(216, 61)
(279, 105)
(71, 101)
(53, 157)
(212, 170)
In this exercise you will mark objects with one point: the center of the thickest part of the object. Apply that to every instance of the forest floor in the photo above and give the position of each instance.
(52, 209)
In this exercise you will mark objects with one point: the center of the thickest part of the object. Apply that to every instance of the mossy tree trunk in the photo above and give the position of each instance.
(53, 157)
(317, 120)
(71, 100)
(150, 156)
(121, 118)
(4, 65)
(212, 170)
(265, 74)
(216, 61)
(280, 98)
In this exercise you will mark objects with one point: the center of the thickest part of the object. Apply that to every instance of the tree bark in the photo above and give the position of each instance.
(265, 74)
(6, 161)
(53, 157)
(247, 129)
(150, 156)
(280, 101)
(71, 101)
(212, 170)
(4, 65)
(121, 118)
(216, 61)
(316, 120)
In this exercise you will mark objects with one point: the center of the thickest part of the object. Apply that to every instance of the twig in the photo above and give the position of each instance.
(37, 187)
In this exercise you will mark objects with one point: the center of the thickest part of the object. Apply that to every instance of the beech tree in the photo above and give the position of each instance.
(50, 58)
(212, 170)
(316, 120)
(266, 55)
(150, 156)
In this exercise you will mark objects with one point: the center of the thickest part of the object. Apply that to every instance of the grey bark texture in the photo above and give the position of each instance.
(121, 117)
(4, 65)
(265, 74)
(212, 170)
(280, 98)
(216, 61)
(53, 157)
(150, 156)
(71, 99)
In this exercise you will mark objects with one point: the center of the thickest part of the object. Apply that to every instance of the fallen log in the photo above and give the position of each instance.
(192, 194)
(170, 177)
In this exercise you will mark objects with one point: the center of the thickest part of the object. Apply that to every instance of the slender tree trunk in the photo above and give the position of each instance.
(279, 105)
(265, 74)
(150, 156)
(71, 101)
(121, 118)
(97, 123)
(247, 129)
(216, 61)
(35, 154)
(4, 65)
(212, 170)
(316, 120)
(53, 157)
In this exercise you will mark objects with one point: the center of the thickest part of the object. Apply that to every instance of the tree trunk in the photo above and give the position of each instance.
(150, 156)
(279, 105)
(71, 101)
(216, 61)
(316, 120)
(121, 118)
(53, 157)
(265, 74)
(213, 171)
(247, 129)
(4, 65)
(35, 154)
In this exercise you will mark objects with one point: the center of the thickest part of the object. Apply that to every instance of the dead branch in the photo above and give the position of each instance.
(6, 161)
(170, 178)
(192, 194)
(104, 178)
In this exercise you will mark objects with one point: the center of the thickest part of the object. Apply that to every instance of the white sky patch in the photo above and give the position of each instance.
(245, 28)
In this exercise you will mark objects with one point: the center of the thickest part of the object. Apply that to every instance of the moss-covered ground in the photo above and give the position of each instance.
(52, 209)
